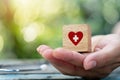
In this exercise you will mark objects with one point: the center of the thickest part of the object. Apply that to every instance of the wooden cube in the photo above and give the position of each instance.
(77, 37)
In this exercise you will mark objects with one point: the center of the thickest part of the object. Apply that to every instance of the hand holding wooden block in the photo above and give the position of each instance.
(77, 38)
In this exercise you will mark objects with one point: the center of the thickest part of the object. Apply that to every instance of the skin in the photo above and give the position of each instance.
(104, 58)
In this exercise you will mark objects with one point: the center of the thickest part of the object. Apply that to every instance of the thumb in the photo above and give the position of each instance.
(99, 58)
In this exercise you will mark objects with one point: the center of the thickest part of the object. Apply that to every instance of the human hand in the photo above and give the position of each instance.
(105, 56)
(102, 61)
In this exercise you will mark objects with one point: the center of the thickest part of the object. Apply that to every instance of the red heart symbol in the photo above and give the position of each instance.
(75, 37)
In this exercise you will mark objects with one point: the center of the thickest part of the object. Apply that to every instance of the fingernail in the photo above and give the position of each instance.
(38, 49)
(91, 65)
(42, 48)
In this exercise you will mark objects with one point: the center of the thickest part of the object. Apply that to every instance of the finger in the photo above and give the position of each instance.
(42, 48)
(100, 58)
(62, 66)
(95, 41)
(69, 56)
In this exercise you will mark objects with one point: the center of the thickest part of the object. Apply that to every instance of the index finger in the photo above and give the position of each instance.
(72, 57)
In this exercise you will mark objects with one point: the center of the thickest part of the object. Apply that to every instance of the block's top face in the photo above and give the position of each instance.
(77, 37)
(82, 27)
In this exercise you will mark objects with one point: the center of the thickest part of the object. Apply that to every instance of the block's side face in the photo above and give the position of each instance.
(84, 45)
(89, 39)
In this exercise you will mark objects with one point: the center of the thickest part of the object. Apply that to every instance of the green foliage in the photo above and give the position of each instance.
(25, 24)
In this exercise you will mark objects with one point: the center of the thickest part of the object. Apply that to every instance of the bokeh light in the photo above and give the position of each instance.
(25, 24)
(1, 43)
(31, 32)
(110, 13)
(50, 7)
(26, 11)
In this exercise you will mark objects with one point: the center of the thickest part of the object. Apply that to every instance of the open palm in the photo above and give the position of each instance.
(99, 63)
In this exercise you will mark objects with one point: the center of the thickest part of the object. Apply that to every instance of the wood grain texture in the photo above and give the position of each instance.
(84, 45)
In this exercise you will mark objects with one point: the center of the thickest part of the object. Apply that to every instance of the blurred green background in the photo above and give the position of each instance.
(25, 24)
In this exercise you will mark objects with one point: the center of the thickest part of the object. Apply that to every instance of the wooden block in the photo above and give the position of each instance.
(77, 37)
